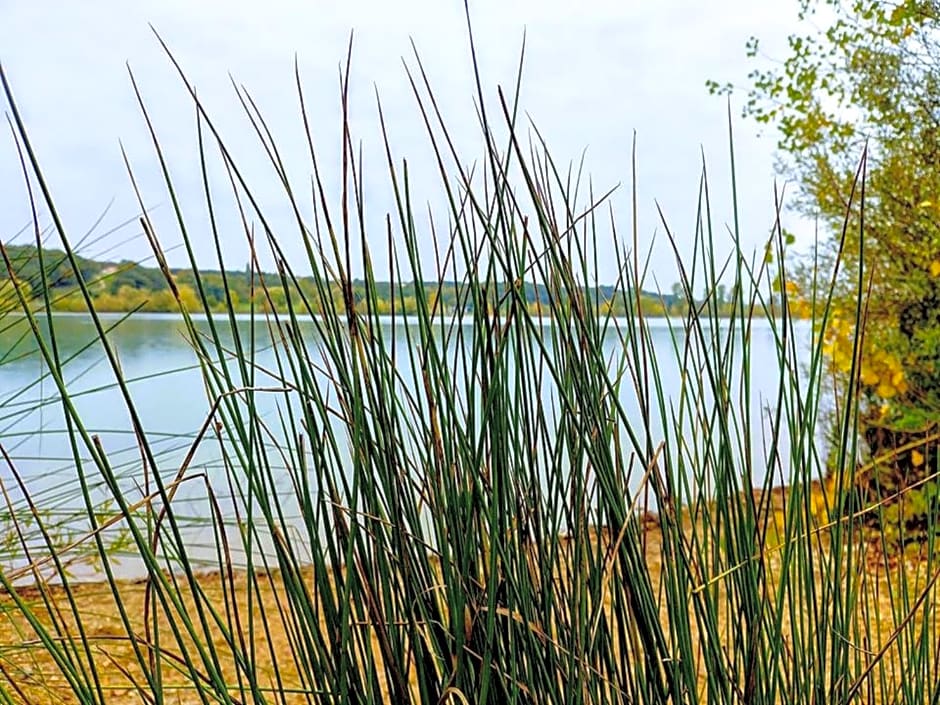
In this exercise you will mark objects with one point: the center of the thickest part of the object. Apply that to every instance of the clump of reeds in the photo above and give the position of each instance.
(506, 507)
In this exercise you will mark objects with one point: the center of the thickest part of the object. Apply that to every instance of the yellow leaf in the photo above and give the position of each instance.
(886, 391)
(935, 268)
(908, 31)
(917, 458)
(842, 361)
(925, 204)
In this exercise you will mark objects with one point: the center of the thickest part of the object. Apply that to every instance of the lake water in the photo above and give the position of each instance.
(171, 399)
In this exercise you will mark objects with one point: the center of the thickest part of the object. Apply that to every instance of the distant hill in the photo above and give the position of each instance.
(127, 285)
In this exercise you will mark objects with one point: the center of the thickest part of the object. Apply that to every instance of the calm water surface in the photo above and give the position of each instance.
(167, 388)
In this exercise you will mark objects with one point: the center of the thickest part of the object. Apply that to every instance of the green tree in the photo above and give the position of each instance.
(864, 78)
(9, 300)
(679, 304)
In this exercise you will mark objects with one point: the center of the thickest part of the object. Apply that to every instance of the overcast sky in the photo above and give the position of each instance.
(595, 71)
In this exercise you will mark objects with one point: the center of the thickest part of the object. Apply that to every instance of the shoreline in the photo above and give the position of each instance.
(648, 521)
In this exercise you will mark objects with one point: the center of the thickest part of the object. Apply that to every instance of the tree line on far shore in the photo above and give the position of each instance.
(129, 286)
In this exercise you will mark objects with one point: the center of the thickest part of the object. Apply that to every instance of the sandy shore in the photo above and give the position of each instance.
(254, 603)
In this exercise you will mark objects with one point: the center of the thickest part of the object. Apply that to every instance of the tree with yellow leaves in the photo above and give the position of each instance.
(864, 78)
